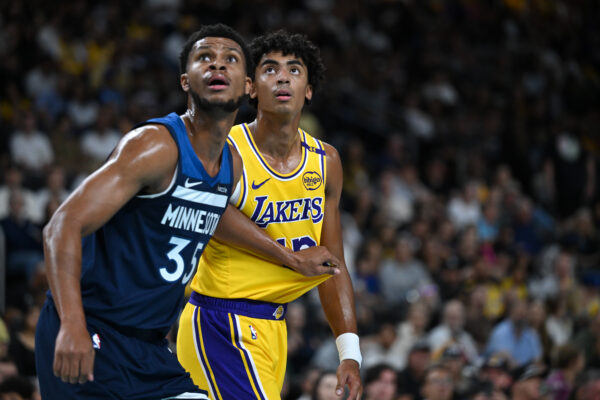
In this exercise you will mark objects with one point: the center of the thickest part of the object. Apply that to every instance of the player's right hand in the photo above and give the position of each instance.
(74, 354)
(315, 261)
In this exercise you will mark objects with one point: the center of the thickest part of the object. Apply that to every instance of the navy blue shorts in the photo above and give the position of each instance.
(125, 366)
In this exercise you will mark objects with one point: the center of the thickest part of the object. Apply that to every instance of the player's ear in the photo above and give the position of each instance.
(249, 86)
(185, 82)
(308, 94)
(253, 93)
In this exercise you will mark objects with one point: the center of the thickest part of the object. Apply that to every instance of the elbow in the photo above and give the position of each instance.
(49, 231)
(57, 227)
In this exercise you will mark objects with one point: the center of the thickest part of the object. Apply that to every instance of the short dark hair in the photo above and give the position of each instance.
(290, 44)
(566, 354)
(322, 375)
(215, 30)
(373, 373)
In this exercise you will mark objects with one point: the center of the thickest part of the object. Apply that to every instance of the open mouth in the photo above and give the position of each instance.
(283, 95)
(217, 82)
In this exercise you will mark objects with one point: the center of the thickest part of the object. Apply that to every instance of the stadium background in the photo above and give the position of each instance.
(469, 137)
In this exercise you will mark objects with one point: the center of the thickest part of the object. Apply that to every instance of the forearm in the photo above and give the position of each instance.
(238, 230)
(337, 300)
(62, 256)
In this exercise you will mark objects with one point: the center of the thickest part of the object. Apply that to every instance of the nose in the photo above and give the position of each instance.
(283, 76)
(217, 66)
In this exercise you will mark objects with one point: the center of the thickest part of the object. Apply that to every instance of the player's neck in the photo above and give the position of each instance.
(207, 133)
(276, 135)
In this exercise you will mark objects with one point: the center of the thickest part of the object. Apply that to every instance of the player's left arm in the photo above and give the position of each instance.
(336, 293)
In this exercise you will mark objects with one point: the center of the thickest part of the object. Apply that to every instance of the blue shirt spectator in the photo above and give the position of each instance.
(514, 337)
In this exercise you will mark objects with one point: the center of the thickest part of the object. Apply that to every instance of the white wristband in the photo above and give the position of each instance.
(348, 347)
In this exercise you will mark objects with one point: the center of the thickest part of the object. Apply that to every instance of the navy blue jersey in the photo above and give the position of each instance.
(135, 268)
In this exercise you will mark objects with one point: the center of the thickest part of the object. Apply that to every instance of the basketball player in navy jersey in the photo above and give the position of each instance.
(121, 248)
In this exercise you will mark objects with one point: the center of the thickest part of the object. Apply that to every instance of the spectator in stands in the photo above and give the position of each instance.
(409, 332)
(308, 380)
(325, 385)
(22, 346)
(527, 382)
(514, 336)
(464, 208)
(411, 378)
(452, 357)
(13, 180)
(30, 148)
(54, 191)
(377, 348)
(496, 369)
(17, 388)
(588, 386)
(451, 330)
(588, 341)
(23, 239)
(438, 384)
(404, 276)
(380, 383)
(99, 140)
(569, 361)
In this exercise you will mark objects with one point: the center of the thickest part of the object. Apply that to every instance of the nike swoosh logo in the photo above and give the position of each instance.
(189, 184)
(255, 186)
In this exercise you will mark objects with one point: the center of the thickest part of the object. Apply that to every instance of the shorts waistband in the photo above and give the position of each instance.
(245, 307)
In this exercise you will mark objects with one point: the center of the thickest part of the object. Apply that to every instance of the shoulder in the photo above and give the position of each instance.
(334, 162)
(149, 151)
(147, 140)
(330, 152)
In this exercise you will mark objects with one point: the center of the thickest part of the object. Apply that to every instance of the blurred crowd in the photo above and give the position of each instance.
(469, 137)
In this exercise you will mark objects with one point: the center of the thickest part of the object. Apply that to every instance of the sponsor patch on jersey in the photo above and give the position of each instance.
(311, 180)
(96, 343)
(253, 332)
(278, 312)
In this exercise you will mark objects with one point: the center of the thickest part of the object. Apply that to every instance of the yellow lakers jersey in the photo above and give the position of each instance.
(288, 206)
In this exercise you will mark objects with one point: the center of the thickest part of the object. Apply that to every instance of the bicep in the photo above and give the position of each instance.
(99, 197)
(141, 160)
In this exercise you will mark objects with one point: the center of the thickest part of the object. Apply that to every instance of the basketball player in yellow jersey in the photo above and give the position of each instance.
(232, 334)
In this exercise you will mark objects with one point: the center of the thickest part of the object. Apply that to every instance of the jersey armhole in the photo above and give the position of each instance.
(235, 195)
(155, 195)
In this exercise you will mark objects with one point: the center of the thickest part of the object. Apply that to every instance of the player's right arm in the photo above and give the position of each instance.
(145, 159)
(236, 229)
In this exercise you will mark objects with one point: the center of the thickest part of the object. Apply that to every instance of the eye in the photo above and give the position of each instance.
(295, 70)
(203, 57)
(270, 70)
(232, 59)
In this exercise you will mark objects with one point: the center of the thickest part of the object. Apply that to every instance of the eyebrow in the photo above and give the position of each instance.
(205, 47)
(290, 62)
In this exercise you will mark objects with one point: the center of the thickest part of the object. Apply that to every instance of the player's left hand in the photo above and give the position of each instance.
(348, 373)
